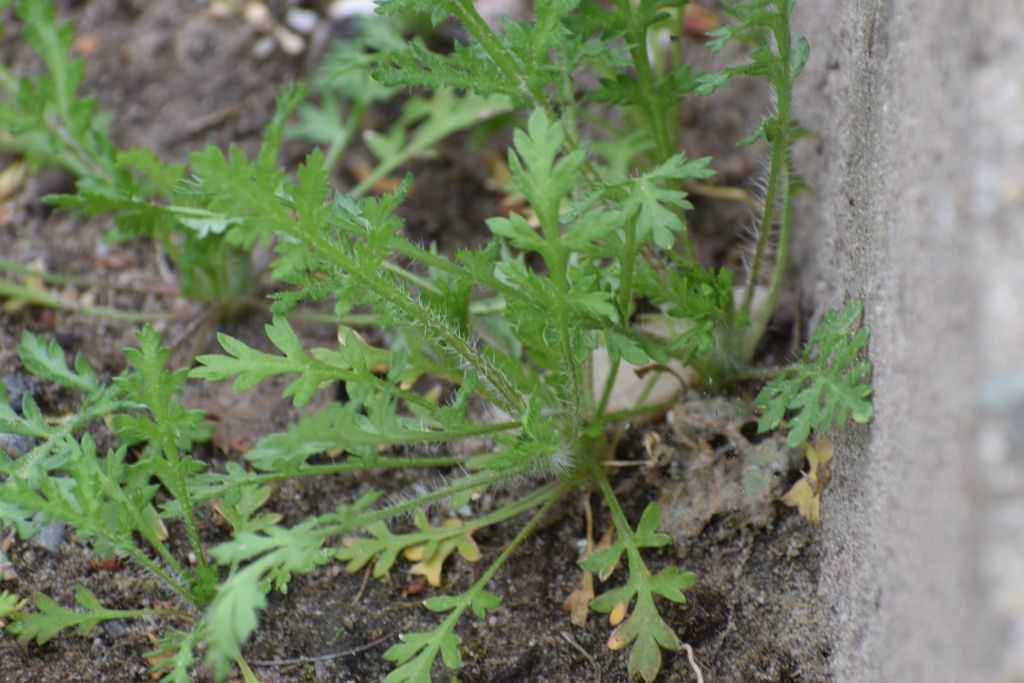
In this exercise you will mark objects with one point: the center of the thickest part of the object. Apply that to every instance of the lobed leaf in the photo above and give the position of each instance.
(416, 652)
(174, 656)
(45, 359)
(827, 385)
(250, 366)
(51, 619)
(656, 203)
(171, 424)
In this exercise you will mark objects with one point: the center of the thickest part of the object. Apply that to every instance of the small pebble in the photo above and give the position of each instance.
(117, 628)
(7, 572)
(301, 19)
(16, 386)
(50, 536)
(16, 444)
(291, 43)
(221, 9)
(263, 47)
(343, 9)
(257, 15)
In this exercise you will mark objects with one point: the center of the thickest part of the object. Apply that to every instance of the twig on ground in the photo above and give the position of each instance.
(321, 658)
(693, 663)
(586, 655)
(362, 587)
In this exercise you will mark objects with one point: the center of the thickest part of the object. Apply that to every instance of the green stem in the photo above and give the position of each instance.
(217, 489)
(507, 397)
(158, 571)
(625, 300)
(554, 494)
(467, 598)
(606, 393)
(342, 141)
(188, 515)
(622, 525)
(499, 515)
(421, 282)
(493, 46)
(82, 164)
(247, 674)
(130, 549)
(428, 258)
(512, 509)
(636, 39)
(778, 187)
(767, 218)
(179, 488)
(569, 108)
(139, 613)
(470, 483)
(760, 322)
(8, 82)
(556, 258)
(350, 320)
(627, 266)
(46, 276)
(115, 491)
(640, 411)
(480, 307)
(39, 297)
(444, 265)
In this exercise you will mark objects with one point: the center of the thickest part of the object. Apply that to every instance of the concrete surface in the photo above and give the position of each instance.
(918, 207)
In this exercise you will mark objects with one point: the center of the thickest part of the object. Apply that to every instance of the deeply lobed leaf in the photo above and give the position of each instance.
(827, 386)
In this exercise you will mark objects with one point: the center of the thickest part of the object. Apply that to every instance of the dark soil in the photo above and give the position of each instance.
(178, 77)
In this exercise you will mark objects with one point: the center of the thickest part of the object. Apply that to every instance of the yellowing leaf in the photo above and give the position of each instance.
(618, 613)
(805, 495)
(604, 544)
(12, 179)
(617, 640)
(578, 602)
(431, 566)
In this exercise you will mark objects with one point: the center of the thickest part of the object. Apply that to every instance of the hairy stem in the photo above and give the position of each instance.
(341, 142)
(778, 190)
(470, 483)
(492, 45)
(636, 39)
(556, 258)
(507, 397)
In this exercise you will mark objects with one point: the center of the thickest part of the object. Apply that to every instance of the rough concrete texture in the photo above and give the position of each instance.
(918, 205)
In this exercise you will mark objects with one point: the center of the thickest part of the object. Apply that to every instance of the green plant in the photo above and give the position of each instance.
(511, 329)
(46, 121)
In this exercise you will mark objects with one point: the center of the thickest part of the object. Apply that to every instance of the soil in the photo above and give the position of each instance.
(178, 77)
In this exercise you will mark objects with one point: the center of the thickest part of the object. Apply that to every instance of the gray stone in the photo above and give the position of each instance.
(50, 536)
(115, 628)
(918, 207)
